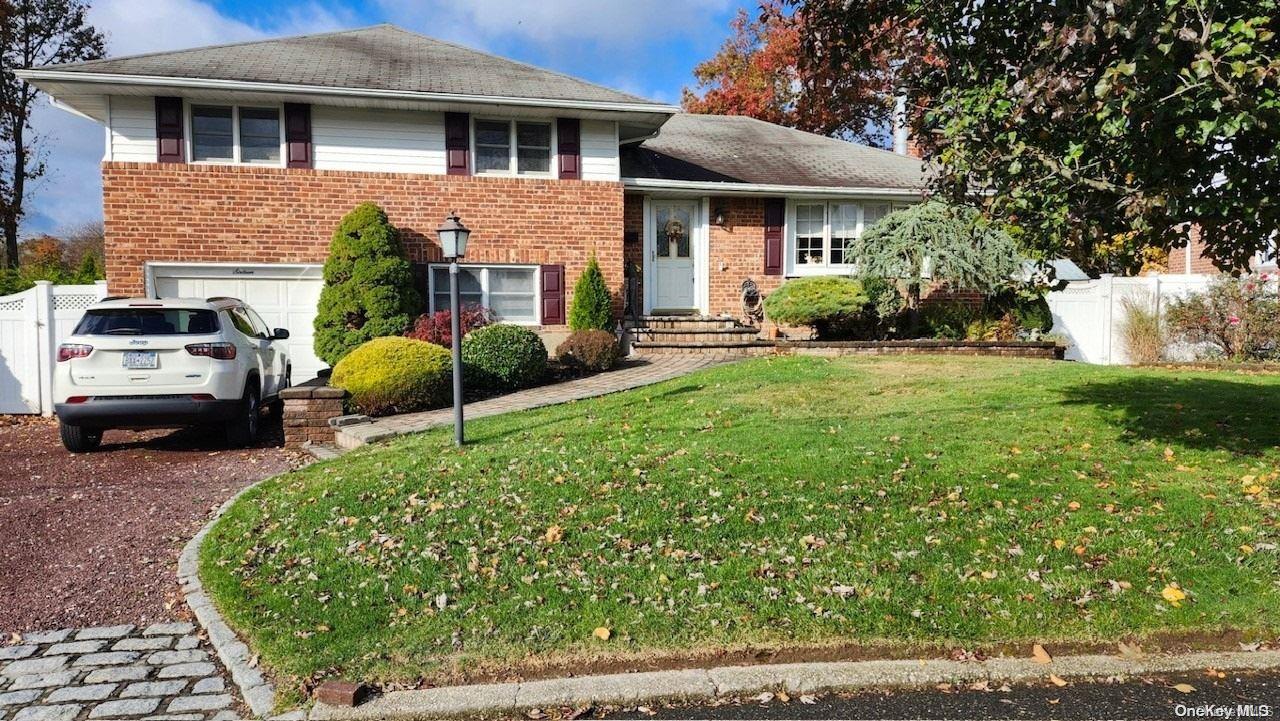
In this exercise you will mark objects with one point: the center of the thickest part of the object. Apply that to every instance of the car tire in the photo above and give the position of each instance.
(243, 430)
(79, 439)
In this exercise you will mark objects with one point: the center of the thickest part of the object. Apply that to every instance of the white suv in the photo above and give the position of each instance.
(143, 363)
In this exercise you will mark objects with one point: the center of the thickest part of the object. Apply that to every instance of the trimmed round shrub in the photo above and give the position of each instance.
(590, 350)
(395, 375)
(825, 302)
(504, 357)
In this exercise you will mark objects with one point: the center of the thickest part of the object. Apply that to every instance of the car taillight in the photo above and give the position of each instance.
(220, 351)
(77, 399)
(67, 351)
(202, 397)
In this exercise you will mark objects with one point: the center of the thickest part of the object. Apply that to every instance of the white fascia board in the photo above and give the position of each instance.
(717, 188)
(36, 74)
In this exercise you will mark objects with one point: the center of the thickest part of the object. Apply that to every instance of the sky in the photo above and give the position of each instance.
(645, 47)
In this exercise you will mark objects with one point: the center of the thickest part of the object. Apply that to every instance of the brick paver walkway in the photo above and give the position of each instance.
(161, 672)
(633, 373)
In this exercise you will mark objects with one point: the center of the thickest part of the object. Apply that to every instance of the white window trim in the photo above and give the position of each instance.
(513, 149)
(484, 287)
(790, 267)
(190, 133)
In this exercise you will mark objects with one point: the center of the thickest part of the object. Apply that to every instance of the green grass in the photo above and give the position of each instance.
(774, 503)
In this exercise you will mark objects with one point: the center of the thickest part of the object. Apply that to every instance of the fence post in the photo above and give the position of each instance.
(46, 340)
(1107, 313)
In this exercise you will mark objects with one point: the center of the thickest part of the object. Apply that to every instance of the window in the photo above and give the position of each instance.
(240, 319)
(821, 233)
(148, 321)
(511, 292)
(497, 153)
(493, 146)
(232, 134)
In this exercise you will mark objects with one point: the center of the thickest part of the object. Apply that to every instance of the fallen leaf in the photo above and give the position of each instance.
(1184, 687)
(765, 697)
(553, 535)
(1174, 595)
(807, 699)
(1057, 681)
(1040, 655)
(1130, 650)
(602, 633)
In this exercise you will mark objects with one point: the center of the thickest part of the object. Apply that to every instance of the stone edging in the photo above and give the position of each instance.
(255, 689)
(700, 685)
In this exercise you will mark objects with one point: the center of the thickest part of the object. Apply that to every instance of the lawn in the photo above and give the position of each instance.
(775, 503)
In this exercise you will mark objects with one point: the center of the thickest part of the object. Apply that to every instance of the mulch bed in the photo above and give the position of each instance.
(93, 538)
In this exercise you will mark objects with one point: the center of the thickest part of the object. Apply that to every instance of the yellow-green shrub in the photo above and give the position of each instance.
(395, 375)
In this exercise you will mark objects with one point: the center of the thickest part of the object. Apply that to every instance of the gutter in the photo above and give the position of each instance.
(713, 187)
(36, 74)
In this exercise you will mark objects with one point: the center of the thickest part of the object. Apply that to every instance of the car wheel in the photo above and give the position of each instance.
(242, 431)
(79, 439)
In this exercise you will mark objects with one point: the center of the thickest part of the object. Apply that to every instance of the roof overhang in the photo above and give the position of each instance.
(699, 187)
(83, 93)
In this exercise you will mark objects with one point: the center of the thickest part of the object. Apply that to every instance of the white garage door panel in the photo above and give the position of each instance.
(284, 295)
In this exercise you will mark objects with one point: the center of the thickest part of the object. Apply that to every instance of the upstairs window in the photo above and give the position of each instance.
(234, 134)
(507, 147)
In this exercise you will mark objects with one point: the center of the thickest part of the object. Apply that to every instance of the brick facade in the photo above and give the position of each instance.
(1199, 263)
(210, 213)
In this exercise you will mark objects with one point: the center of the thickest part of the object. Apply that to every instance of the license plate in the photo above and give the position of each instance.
(140, 359)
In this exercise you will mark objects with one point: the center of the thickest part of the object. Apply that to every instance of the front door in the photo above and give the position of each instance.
(673, 270)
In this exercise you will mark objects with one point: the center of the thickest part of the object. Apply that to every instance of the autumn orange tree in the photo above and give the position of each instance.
(758, 73)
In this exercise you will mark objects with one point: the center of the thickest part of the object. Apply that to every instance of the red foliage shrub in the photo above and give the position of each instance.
(435, 327)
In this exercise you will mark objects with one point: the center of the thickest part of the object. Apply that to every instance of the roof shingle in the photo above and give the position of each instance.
(736, 149)
(382, 57)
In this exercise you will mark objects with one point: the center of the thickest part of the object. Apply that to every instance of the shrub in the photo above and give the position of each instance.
(1239, 317)
(825, 302)
(590, 350)
(1141, 332)
(1027, 306)
(368, 285)
(948, 319)
(437, 327)
(504, 357)
(395, 375)
(1003, 329)
(592, 307)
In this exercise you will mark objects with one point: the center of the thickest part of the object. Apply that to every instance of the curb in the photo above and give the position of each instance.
(795, 678)
(255, 689)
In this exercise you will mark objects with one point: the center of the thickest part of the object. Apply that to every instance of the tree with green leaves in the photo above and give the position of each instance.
(32, 33)
(368, 285)
(935, 242)
(1093, 123)
(592, 307)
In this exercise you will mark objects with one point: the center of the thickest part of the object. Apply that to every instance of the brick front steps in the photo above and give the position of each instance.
(665, 334)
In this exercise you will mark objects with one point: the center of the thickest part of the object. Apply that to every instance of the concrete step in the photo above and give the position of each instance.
(687, 322)
(694, 335)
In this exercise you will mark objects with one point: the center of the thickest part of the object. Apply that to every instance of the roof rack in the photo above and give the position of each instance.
(112, 297)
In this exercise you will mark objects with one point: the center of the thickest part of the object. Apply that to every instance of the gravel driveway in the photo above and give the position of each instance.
(92, 539)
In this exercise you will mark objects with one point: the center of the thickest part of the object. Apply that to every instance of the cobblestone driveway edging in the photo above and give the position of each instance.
(255, 689)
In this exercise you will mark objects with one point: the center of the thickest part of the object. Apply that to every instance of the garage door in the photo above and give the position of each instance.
(284, 294)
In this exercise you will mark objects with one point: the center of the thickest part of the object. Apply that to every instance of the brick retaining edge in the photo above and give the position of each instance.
(307, 410)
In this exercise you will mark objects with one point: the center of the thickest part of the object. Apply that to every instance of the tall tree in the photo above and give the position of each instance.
(32, 33)
(757, 72)
(1092, 123)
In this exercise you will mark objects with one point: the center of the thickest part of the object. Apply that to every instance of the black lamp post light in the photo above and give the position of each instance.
(453, 240)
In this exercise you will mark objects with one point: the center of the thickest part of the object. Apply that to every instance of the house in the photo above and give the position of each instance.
(228, 167)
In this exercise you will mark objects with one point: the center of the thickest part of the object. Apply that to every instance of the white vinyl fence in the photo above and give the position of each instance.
(1089, 314)
(32, 324)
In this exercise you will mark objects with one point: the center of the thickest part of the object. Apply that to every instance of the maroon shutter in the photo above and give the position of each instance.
(553, 295)
(569, 137)
(457, 143)
(297, 135)
(774, 211)
(169, 145)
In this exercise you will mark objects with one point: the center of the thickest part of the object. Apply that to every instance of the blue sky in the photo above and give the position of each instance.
(646, 47)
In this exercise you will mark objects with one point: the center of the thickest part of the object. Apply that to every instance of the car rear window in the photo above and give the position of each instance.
(148, 321)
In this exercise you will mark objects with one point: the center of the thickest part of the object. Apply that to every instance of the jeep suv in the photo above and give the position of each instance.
(145, 363)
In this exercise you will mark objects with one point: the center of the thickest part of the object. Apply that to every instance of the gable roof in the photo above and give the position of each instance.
(737, 149)
(379, 58)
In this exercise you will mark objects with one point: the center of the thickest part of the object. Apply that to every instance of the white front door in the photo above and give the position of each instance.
(673, 262)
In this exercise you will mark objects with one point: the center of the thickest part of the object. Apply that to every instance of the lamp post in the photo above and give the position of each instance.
(453, 240)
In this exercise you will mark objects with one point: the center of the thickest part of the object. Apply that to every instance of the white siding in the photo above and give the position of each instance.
(392, 141)
(600, 150)
(132, 129)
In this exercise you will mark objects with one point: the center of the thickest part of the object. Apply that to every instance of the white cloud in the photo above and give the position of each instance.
(71, 191)
(553, 22)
